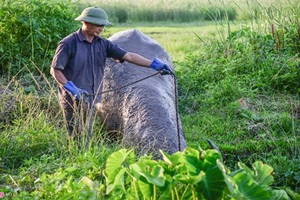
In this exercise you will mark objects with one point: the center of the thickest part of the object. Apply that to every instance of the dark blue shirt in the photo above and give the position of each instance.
(83, 62)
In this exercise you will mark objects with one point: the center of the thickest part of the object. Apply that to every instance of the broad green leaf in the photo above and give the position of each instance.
(114, 163)
(146, 189)
(192, 165)
(153, 174)
(173, 159)
(188, 179)
(213, 184)
(192, 162)
(192, 152)
(118, 181)
(210, 158)
(228, 179)
(248, 188)
(157, 176)
(280, 195)
(263, 173)
(292, 194)
(242, 184)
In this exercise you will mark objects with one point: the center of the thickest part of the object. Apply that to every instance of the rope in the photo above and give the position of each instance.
(176, 108)
(123, 86)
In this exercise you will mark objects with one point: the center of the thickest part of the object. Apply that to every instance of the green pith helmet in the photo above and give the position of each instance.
(94, 15)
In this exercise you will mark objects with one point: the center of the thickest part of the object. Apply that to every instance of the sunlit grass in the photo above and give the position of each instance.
(179, 40)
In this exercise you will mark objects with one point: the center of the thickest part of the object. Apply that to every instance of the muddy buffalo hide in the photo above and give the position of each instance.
(145, 112)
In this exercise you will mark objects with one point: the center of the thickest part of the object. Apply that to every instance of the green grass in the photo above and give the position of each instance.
(137, 11)
(179, 39)
(241, 92)
(187, 11)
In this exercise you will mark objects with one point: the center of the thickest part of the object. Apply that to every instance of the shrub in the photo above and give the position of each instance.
(248, 61)
(30, 30)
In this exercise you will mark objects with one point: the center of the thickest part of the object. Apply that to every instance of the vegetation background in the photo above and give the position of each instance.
(237, 64)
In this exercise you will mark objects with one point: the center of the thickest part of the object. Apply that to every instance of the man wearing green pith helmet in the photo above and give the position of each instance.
(79, 62)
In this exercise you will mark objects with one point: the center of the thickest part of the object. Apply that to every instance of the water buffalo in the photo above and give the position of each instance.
(145, 112)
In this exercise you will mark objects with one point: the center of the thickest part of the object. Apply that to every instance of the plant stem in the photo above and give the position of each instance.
(193, 192)
(135, 190)
(154, 192)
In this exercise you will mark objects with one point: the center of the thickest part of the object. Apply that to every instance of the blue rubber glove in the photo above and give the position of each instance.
(75, 91)
(160, 66)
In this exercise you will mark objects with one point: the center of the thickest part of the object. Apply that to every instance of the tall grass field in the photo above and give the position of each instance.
(238, 72)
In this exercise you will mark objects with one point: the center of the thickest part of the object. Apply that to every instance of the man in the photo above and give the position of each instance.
(79, 62)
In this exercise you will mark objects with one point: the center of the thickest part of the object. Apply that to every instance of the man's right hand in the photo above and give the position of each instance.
(75, 91)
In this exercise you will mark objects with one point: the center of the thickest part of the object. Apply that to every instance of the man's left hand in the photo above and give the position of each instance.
(160, 66)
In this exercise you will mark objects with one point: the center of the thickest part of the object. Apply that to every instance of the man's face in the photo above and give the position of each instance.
(94, 29)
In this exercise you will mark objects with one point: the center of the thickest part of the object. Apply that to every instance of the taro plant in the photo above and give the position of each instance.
(191, 174)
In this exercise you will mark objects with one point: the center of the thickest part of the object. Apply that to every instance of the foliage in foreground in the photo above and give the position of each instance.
(191, 174)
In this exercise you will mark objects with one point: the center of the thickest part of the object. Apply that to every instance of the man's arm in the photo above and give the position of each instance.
(58, 76)
(142, 61)
(137, 59)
